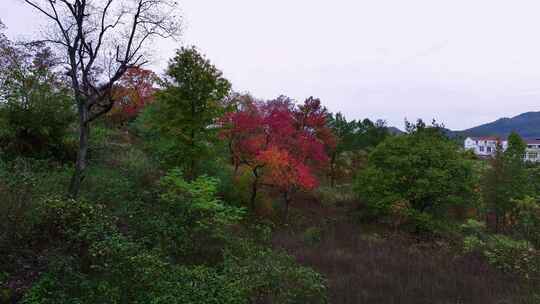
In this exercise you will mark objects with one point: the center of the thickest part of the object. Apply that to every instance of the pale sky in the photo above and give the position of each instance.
(463, 62)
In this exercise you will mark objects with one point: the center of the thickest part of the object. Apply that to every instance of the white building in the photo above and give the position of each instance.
(533, 150)
(486, 146)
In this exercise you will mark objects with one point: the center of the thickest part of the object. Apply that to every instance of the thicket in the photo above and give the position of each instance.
(36, 106)
(415, 179)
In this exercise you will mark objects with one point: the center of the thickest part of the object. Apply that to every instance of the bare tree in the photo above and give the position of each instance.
(101, 39)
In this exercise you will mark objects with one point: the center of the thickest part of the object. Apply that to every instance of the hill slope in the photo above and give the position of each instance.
(526, 125)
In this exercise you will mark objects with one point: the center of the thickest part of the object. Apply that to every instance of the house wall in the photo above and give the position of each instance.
(532, 153)
(487, 148)
(483, 147)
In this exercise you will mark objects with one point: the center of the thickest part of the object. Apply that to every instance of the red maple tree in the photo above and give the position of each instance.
(134, 91)
(282, 144)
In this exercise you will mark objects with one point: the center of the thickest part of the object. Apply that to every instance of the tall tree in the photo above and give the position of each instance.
(188, 106)
(494, 192)
(344, 132)
(101, 40)
(515, 156)
(505, 181)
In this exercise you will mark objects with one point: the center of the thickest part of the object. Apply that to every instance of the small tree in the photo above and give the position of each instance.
(422, 171)
(134, 91)
(514, 158)
(101, 40)
(282, 144)
(505, 181)
(189, 105)
(352, 137)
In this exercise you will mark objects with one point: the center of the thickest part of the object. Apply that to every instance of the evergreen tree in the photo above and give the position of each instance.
(505, 181)
(188, 107)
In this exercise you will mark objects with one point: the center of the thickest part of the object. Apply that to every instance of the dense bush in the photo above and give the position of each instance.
(94, 263)
(509, 255)
(526, 220)
(421, 174)
(162, 250)
(273, 277)
(36, 107)
(187, 222)
(23, 181)
(504, 182)
(335, 196)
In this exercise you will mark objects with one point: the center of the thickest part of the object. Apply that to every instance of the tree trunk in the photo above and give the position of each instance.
(82, 153)
(287, 200)
(332, 170)
(191, 171)
(254, 188)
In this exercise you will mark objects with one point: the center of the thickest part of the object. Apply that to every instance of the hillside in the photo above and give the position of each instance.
(526, 125)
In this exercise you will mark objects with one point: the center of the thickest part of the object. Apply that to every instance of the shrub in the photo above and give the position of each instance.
(23, 181)
(526, 222)
(37, 108)
(513, 256)
(422, 170)
(188, 221)
(91, 262)
(509, 255)
(335, 196)
(273, 277)
(312, 235)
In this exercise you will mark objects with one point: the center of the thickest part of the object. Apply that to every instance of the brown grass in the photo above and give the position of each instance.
(363, 268)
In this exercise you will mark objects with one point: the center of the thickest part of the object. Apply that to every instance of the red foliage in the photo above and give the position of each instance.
(134, 91)
(287, 143)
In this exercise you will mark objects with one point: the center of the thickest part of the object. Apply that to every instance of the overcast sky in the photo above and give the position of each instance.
(463, 62)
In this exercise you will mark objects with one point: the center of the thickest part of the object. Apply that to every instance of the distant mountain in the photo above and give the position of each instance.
(395, 131)
(526, 125)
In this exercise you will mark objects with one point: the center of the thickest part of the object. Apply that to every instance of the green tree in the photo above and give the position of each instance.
(345, 141)
(351, 138)
(99, 41)
(36, 107)
(514, 157)
(505, 180)
(370, 133)
(422, 171)
(187, 108)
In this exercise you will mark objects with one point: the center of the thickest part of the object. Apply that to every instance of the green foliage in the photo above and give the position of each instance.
(36, 108)
(94, 263)
(509, 255)
(527, 220)
(23, 181)
(273, 277)
(422, 170)
(90, 261)
(351, 137)
(312, 235)
(505, 180)
(188, 221)
(516, 148)
(335, 196)
(187, 109)
(513, 256)
(533, 174)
